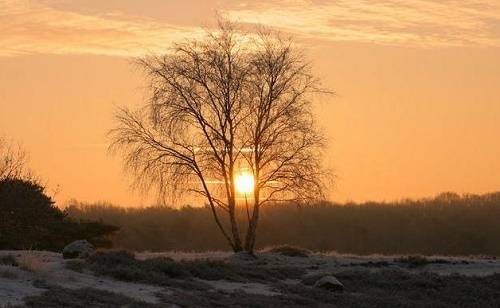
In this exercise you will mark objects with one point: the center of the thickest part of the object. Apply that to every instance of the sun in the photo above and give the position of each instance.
(244, 182)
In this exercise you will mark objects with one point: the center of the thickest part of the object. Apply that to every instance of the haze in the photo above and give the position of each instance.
(416, 110)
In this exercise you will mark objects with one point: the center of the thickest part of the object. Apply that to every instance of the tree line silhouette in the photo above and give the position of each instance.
(448, 224)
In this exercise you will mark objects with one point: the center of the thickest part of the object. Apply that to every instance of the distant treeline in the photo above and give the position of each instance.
(448, 224)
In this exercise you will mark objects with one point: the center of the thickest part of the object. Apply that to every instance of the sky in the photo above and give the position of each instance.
(416, 110)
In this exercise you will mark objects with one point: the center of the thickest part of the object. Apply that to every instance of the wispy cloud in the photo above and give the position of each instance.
(29, 27)
(33, 26)
(420, 23)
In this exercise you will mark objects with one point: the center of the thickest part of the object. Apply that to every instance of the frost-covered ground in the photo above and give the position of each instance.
(45, 279)
(470, 266)
(38, 266)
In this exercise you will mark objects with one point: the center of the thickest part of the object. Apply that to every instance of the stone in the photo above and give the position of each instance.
(329, 283)
(78, 249)
(310, 279)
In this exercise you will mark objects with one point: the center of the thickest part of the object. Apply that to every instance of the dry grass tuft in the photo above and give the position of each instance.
(31, 262)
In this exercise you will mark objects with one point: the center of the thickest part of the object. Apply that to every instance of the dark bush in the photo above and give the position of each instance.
(122, 265)
(9, 260)
(113, 258)
(29, 219)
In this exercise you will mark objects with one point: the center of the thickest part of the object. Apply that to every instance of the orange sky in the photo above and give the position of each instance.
(417, 109)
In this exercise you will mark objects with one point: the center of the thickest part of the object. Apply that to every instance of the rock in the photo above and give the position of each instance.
(329, 283)
(78, 249)
(310, 279)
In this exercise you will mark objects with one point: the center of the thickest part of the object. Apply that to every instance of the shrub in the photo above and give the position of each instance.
(418, 261)
(30, 220)
(113, 258)
(122, 265)
(166, 272)
(9, 260)
(289, 251)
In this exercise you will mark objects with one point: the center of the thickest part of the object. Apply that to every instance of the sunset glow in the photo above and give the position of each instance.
(415, 110)
(242, 144)
(244, 182)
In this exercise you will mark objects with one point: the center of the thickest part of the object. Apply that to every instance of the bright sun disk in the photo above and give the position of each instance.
(244, 183)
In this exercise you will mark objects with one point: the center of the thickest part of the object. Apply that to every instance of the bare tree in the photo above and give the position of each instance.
(286, 144)
(12, 160)
(218, 105)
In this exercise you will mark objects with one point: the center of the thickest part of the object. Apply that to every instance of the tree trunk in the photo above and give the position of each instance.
(234, 229)
(252, 226)
(214, 213)
(232, 214)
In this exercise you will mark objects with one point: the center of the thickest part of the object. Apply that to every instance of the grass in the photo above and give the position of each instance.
(76, 265)
(217, 270)
(369, 264)
(392, 288)
(8, 273)
(31, 263)
(289, 251)
(122, 265)
(9, 260)
(363, 289)
(87, 297)
(383, 288)
(167, 272)
(238, 299)
(419, 261)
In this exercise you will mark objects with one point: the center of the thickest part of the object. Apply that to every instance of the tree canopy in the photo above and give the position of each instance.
(222, 105)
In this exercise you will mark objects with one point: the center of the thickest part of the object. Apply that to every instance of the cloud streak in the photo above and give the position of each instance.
(34, 27)
(415, 23)
(28, 27)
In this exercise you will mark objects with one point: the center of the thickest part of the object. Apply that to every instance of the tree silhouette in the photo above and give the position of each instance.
(29, 219)
(219, 105)
(12, 160)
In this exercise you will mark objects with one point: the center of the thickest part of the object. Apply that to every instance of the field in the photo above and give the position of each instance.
(281, 277)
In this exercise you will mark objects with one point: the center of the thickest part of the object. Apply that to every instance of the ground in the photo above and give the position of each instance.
(221, 279)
